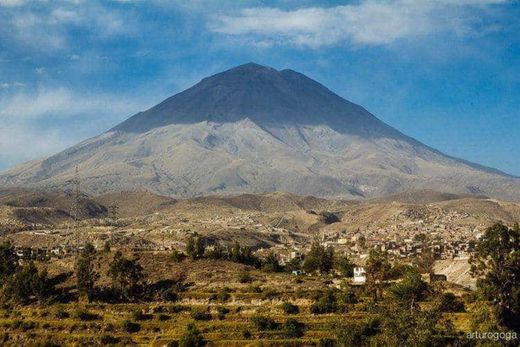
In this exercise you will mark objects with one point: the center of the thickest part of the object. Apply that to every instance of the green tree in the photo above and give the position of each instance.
(126, 274)
(377, 272)
(271, 264)
(28, 283)
(86, 274)
(191, 337)
(215, 253)
(403, 327)
(425, 261)
(8, 261)
(497, 264)
(293, 328)
(411, 289)
(319, 258)
(242, 254)
(345, 266)
(325, 302)
(294, 264)
(195, 247)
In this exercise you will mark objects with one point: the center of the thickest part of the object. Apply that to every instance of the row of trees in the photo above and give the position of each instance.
(319, 259)
(126, 274)
(22, 283)
(196, 248)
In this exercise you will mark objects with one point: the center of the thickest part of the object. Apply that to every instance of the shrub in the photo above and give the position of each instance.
(27, 325)
(245, 277)
(348, 297)
(326, 342)
(170, 295)
(109, 340)
(271, 264)
(289, 308)
(246, 334)
(270, 294)
(264, 323)
(200, 315)
(44, 343)
(163, 317)
(86, 316)
(139, 315)
(191, 337)
(178, 309)
(325, 303)
(293, 328)
(450, 303)
(223, 294)
(131, 327)
(62, 314)
(222, 311)
(330, 218)
(178, 256)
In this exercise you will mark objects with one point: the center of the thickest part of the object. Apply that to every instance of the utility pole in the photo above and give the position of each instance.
(75, 208)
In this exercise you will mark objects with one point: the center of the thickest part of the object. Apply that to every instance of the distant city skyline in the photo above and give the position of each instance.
(445, 72)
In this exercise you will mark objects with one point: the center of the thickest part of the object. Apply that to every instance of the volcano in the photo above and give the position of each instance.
(255, 129)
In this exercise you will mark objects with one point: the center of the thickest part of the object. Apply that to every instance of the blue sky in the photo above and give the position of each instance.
(446, 72)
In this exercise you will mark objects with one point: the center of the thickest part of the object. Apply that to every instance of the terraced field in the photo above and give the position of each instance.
(161, 324)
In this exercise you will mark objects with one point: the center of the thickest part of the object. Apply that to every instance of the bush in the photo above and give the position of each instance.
(330, 218)
(87, 316)
(44, 343)
(326, 342)
(264, 323)
(223, 294)
(293, 328)
(450, 303)
(325, 303)
(62, 314)
(169, 295)
(191, 337)
(178, 309)
(109, 340)
(222, 312)
(270, 294)
(348, 297)
(178, 256)
(200, 315)
(245, 277)
(246, 334)
(27, 325)
(289, 308)
(163, 317)
(131, 327)
(139, 315)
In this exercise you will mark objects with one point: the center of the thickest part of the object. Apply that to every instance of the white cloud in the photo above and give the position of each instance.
(11, 3)
(64, 103)
(48, 27)
(23, 142)
(369, 22)
(42, 123)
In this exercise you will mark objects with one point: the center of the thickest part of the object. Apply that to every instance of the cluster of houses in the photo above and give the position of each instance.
(46, 252)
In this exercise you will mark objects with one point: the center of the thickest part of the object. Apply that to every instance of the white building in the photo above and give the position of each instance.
(360, 275)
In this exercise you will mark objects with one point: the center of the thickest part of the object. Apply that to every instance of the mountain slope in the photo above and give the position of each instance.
(256, 129)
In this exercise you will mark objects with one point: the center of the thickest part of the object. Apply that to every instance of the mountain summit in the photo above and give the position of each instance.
(256, 129)
(263, 95)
